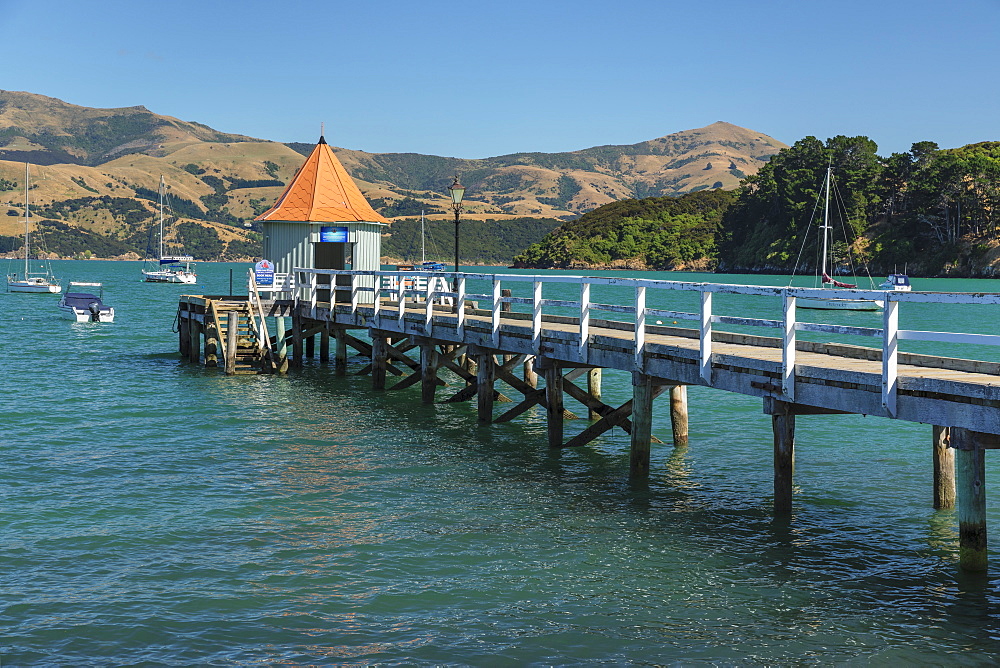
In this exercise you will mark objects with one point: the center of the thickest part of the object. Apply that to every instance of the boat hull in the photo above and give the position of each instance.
(33, 286)
(830, 304)
(80, 315)
(170, 277)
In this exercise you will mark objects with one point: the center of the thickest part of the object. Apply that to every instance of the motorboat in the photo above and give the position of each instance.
(89, 306)
(896, 283)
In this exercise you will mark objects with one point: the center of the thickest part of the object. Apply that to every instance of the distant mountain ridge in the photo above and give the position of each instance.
(46, 131)
(88, 159)
(570, 183)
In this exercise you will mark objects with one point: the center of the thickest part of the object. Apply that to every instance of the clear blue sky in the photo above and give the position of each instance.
(474, 79)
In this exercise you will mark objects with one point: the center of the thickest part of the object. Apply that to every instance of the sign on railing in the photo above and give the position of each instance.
(263, 273)
(279, 283)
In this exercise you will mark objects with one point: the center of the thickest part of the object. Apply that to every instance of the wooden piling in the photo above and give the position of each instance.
(211, 342)
(783, 425)
(530, 377)
(296, 340)
(379, 357)
(469, 363)
(594, 389)
(232, 334)
(324, 343)
(485, 379)
(642, 424)
(281, 339)
(194, 349)
(554, 402)
(679, 415)
(970, 485)
(944, 470)
(340, 354)
(311, 347)
(184, 333)
(428, 372)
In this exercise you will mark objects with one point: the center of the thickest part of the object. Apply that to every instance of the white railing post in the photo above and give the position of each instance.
(584, 319)
(428, 310)
(355, 281)
(376, 311)
(890, 345)
(495, 317)
(705, 337)
(536, 316)
(788, 348)
(640, 325)
(460, 305)
(314, 293)
(402, 300)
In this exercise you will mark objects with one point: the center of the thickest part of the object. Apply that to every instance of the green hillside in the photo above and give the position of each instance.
(652, 233)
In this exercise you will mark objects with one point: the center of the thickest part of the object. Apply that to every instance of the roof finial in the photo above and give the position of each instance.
(322, 132)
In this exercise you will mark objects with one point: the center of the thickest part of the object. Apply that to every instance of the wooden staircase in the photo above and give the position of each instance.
(249, 357)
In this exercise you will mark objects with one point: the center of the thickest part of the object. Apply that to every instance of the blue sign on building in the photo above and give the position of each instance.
(334, 234)
(263, 273)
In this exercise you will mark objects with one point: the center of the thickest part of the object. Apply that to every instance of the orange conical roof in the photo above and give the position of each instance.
(323, 192)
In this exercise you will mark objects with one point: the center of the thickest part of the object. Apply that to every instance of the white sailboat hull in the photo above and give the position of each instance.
(33, 285)
(170, 277)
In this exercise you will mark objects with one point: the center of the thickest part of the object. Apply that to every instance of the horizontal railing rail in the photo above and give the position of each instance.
(393, 284)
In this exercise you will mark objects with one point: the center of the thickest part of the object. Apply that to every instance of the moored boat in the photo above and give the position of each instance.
(81, 306)
(31, 281)
(168, 268)
(896, 283)
(826, 281)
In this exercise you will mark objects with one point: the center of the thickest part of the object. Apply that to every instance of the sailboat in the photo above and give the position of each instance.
(832, 303)
(168, 268)
(42, 281)
(425, 264)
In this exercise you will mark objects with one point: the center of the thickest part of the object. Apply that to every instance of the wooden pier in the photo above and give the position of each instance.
(416, 333)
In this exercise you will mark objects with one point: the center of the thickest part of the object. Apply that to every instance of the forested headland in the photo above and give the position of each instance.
(932, 210)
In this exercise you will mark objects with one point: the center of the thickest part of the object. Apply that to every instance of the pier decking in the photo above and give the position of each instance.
(485, 337)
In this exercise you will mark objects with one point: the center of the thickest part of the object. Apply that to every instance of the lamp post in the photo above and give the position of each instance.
(457, 192)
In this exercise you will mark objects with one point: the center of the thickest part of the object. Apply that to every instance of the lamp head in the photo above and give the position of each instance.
(457, 192)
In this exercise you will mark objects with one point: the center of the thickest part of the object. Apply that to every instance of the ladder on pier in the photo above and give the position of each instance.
(250, 353)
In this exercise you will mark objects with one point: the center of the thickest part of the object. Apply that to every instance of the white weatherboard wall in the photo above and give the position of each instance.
(289, 245)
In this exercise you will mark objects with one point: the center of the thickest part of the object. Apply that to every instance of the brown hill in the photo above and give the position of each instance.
(82, 157)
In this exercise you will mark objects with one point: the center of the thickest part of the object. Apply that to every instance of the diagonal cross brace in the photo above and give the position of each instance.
(611, 417)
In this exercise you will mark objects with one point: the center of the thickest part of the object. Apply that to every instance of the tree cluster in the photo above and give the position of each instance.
(925, 208)
(656, 232)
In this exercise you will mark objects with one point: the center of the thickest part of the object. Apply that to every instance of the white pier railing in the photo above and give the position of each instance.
(395, 286)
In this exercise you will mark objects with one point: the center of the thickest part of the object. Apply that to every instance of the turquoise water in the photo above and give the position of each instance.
(159, 513)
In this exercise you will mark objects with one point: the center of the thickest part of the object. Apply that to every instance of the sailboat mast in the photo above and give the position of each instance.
(160, 255)
(826, 223)
(27, 217)
(423, 258)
